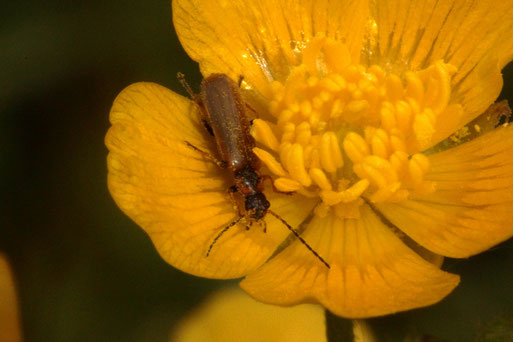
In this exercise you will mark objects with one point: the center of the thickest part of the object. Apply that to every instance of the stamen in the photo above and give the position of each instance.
(344, 131)
(394, 87)
(355, 147)
(271, 162)
(418, 167)
(414, 88)
(289, 132)
(262, 132)
(331, 157)
(403, 115)
(303, 133)
(319, 177)
(345, 196)
(296, 165)
(380, 143)
(287, 184)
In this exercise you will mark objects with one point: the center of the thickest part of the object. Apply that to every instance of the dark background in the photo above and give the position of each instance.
(84, 271)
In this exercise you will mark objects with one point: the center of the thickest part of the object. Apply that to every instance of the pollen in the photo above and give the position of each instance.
(348, 133)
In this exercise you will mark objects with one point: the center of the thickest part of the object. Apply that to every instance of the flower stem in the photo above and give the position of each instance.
(338, 329)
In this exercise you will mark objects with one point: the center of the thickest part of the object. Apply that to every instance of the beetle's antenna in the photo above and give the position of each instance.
(225, 229)
(299, 237)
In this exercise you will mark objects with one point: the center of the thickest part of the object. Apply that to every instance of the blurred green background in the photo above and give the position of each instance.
(84, 271)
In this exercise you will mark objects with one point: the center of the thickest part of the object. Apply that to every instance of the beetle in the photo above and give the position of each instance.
(223, 112)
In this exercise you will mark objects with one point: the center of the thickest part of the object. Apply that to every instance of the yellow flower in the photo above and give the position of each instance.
(9, 315)
(360, 113)
(231, 315)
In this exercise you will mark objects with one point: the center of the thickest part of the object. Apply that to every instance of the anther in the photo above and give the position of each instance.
(355, 147)
(331, 156)
(319, 177)
(303, 133)
(394, 88)
(414, 87)
(261, 130)
(287, 185)
(296, 165)
(271, 162)
(327, 111)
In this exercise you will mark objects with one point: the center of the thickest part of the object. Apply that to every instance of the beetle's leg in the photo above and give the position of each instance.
(265, 225)
(196, 98)
(220, 163)
(239, 81)
(231, 192)
(188, 89)
(253, 110)
(249, 225)
(208, 127)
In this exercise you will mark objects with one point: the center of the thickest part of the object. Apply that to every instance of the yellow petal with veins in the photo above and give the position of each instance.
(175, 194)
(372, 272)
(470, 211)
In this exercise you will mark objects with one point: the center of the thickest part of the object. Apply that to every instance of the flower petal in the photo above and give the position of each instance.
(9, 312)
(471, 210)
(459, 31)
(232, 315)
(260, 39)
(174, 193)
(473, 36)
(372, 272)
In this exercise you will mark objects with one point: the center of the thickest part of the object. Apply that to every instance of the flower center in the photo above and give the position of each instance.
(345, 132)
